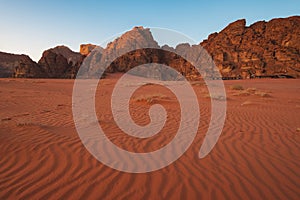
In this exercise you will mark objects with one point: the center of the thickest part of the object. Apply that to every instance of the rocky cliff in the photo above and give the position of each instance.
(60, 62)
(138, 47)
(27, 68)
(10, 63)
(136, 38)
(261, 49)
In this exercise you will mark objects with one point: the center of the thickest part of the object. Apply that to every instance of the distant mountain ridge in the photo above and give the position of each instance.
(262, 49)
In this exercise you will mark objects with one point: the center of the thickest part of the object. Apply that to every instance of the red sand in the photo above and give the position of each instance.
(256, 157)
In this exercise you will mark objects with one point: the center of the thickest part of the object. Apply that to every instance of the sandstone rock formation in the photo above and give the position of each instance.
(28, 69)
(150, 63)
(9, 62)
(85, 49)
(136, 38)
(262, 49)
(60, 62)
(141, 49)
(73, 58)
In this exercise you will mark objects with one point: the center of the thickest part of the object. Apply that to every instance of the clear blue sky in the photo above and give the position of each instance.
(32, 26)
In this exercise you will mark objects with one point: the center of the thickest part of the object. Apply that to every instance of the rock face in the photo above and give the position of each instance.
(262, 49)
(60, 62)
(85, 49)
(73, 58)
(9, 62)
(28, 69)
(136, 38)
(141, 49)
(157, 57)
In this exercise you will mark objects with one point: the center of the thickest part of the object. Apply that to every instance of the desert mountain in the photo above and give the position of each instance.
(135, 48)
(261, 49)
(136, 38)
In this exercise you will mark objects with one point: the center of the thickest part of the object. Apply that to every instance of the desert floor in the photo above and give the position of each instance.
(256, 157)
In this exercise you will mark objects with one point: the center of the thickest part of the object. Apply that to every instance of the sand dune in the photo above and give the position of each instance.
(256, 157)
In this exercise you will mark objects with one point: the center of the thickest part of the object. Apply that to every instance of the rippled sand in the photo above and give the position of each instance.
(256, 157)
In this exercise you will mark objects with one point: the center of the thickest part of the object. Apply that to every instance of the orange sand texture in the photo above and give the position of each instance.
(256, 157)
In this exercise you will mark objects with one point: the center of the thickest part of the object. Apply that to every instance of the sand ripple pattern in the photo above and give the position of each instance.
(256, 157)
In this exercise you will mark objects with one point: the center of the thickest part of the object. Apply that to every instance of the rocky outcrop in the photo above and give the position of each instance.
(136, 38)
(262, 49)
(85, 49)
(141, 49)
(60, 62)
(27, 68)
(73, 58)
(54, 65)
(150, 63)
(9, 62)
(99, 59)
